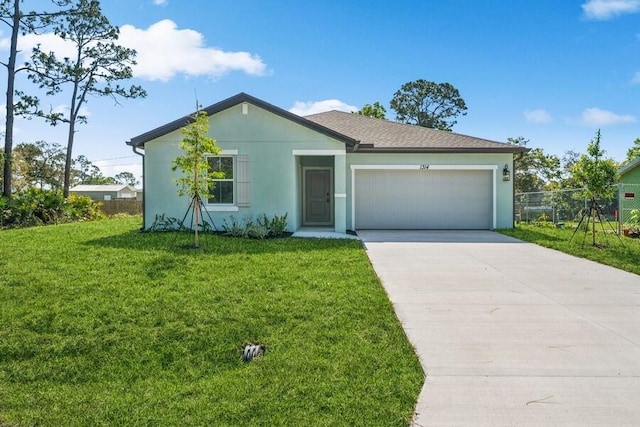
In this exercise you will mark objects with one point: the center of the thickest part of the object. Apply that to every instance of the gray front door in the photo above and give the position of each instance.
(318, 206)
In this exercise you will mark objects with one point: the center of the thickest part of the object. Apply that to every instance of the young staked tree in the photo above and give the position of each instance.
(20, 22)
(597, 175)
(95, 68)
(428, 104)
(197, 179)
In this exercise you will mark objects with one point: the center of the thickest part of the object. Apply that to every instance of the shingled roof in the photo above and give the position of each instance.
(140, 140)
(359, 133)
(377, 135)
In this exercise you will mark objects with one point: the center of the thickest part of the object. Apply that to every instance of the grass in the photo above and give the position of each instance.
(622, 253)
(102, 325)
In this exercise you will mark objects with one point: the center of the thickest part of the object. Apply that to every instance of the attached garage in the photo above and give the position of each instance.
(434, 199)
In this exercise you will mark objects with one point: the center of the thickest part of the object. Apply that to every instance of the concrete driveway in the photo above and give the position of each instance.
(510, 333)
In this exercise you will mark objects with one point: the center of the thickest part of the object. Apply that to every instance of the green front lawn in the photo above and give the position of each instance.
(102, 325)
(622, 253)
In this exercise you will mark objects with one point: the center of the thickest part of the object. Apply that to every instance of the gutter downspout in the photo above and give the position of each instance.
(144, 188)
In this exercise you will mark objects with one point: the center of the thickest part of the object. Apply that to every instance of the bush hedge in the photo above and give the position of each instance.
(43, 207)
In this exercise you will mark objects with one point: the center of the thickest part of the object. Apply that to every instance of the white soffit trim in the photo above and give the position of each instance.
(318, 152)
(215, 208)
(492, 168)
(381, 167)
(425, 167)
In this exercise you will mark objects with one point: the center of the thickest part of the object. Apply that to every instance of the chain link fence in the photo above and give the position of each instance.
(629, 197)
(561, 206)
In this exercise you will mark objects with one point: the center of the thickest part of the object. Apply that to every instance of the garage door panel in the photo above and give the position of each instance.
(423, 199)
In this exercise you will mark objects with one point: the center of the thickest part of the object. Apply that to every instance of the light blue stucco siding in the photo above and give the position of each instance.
(263, 139)
(493, 162)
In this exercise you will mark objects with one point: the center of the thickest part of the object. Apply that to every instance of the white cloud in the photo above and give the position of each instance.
(165, 51)
(49, 42)
(160, 2)
(606, 9)
(5, 42)
(636, 78)
(109, 169)
(64, 109)
(539, 116)
(312, 107)
(599, 117)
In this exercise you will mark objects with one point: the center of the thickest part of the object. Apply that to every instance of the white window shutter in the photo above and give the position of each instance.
(243, 180)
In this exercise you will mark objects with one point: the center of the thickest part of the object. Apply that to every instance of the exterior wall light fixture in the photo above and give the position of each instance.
(506, 175)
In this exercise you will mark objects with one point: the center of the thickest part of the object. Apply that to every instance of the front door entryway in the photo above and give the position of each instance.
(318, 200)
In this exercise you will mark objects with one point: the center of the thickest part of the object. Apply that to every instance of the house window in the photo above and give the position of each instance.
(223, 192)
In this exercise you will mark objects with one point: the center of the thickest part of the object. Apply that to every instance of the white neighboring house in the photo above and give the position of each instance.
(106, 192)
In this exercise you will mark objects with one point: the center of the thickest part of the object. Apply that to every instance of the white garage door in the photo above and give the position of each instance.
(423, 199)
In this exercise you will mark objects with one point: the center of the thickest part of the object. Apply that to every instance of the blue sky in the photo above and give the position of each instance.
(551, 71)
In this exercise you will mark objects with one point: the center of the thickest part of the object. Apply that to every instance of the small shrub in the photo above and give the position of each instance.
(261, 228)
(162, 223)
(83, 208)
(277, 225)
(233, 227)
(5, 211)
(543, 221)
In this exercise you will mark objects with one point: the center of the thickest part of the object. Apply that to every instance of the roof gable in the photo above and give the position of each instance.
(384, 135)
(140, 140)
(629, 167)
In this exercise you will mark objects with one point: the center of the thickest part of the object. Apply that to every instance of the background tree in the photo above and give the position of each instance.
(534, 170)
(98, 64)
(633, 152)
(597, 175)
(428, 104)
(84, 172)
(376, 110)
(39, 164)
(196, 180)
(126, 178)
(18, 22)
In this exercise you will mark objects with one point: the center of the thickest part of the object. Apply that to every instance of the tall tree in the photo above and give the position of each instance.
(96, 67)
(39, 164)
(633, 152)
(568, 161)
(428, 104)
(126, 178)
(86, 173)
(19, 22)
(534, 170)
(376, 110)
(597, 175)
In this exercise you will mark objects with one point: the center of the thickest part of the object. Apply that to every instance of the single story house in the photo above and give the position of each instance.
(628, 192)
(106, 192)
(336, 170)
(630, 173)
